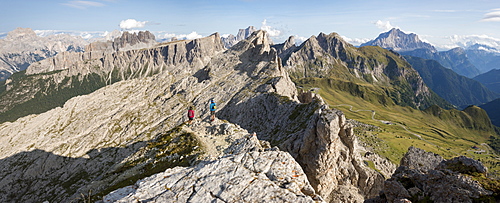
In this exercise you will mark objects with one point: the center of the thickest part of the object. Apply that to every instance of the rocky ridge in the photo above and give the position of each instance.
(251, 173)
(123, 130)
(331, 57)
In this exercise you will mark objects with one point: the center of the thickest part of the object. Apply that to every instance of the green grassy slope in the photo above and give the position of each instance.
(446, 132)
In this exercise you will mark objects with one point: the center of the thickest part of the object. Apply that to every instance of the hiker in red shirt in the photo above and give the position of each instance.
(190, 115)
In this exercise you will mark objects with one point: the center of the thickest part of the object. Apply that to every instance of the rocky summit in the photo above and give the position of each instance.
(425, 176)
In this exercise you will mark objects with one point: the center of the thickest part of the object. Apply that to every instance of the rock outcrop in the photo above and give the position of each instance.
(425, 176)
(320, 139)
(249, 173)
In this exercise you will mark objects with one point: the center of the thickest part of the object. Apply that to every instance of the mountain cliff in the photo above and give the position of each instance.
(23, 47)
(458, 90)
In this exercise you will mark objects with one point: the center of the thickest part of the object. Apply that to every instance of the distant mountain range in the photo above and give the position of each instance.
(491, 80)
(22, 46)
(485, 58)
(409, 44)
(458, 90)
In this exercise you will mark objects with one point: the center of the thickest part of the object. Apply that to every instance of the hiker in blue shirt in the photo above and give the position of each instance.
(213, 107)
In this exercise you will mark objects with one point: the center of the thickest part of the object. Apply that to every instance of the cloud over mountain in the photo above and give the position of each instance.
(167, 36)
(384, 25)
(131, 24)
(271, 31)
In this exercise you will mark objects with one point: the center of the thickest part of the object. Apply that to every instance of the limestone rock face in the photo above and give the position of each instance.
(331, 157)
(249, 174)
(127, 41)
(152, 60)
(319, 138)
(423, 177)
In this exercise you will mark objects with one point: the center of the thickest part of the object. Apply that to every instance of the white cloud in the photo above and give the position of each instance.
(192, 35)
(167, 36)
(469, 40)
(132, 23)
(299, 40)
(493, 16)
(384, 25)
(83, 4)
(464, 41)
(355, 41)
(271, 31)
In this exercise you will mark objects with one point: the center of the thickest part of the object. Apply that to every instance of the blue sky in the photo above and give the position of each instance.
(440, 22)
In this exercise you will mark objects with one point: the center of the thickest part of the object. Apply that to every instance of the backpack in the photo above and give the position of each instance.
(213, 106)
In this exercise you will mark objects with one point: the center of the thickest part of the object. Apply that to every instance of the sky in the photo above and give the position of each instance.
(443, 23)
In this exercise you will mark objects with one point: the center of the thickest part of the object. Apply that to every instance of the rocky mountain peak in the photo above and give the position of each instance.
(290, 42)
(127, 41)
(244, 33)
(398, 40)
(231, 40)
(20, 34)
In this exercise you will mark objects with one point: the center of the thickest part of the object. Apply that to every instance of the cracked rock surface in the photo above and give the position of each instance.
(251, 174)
